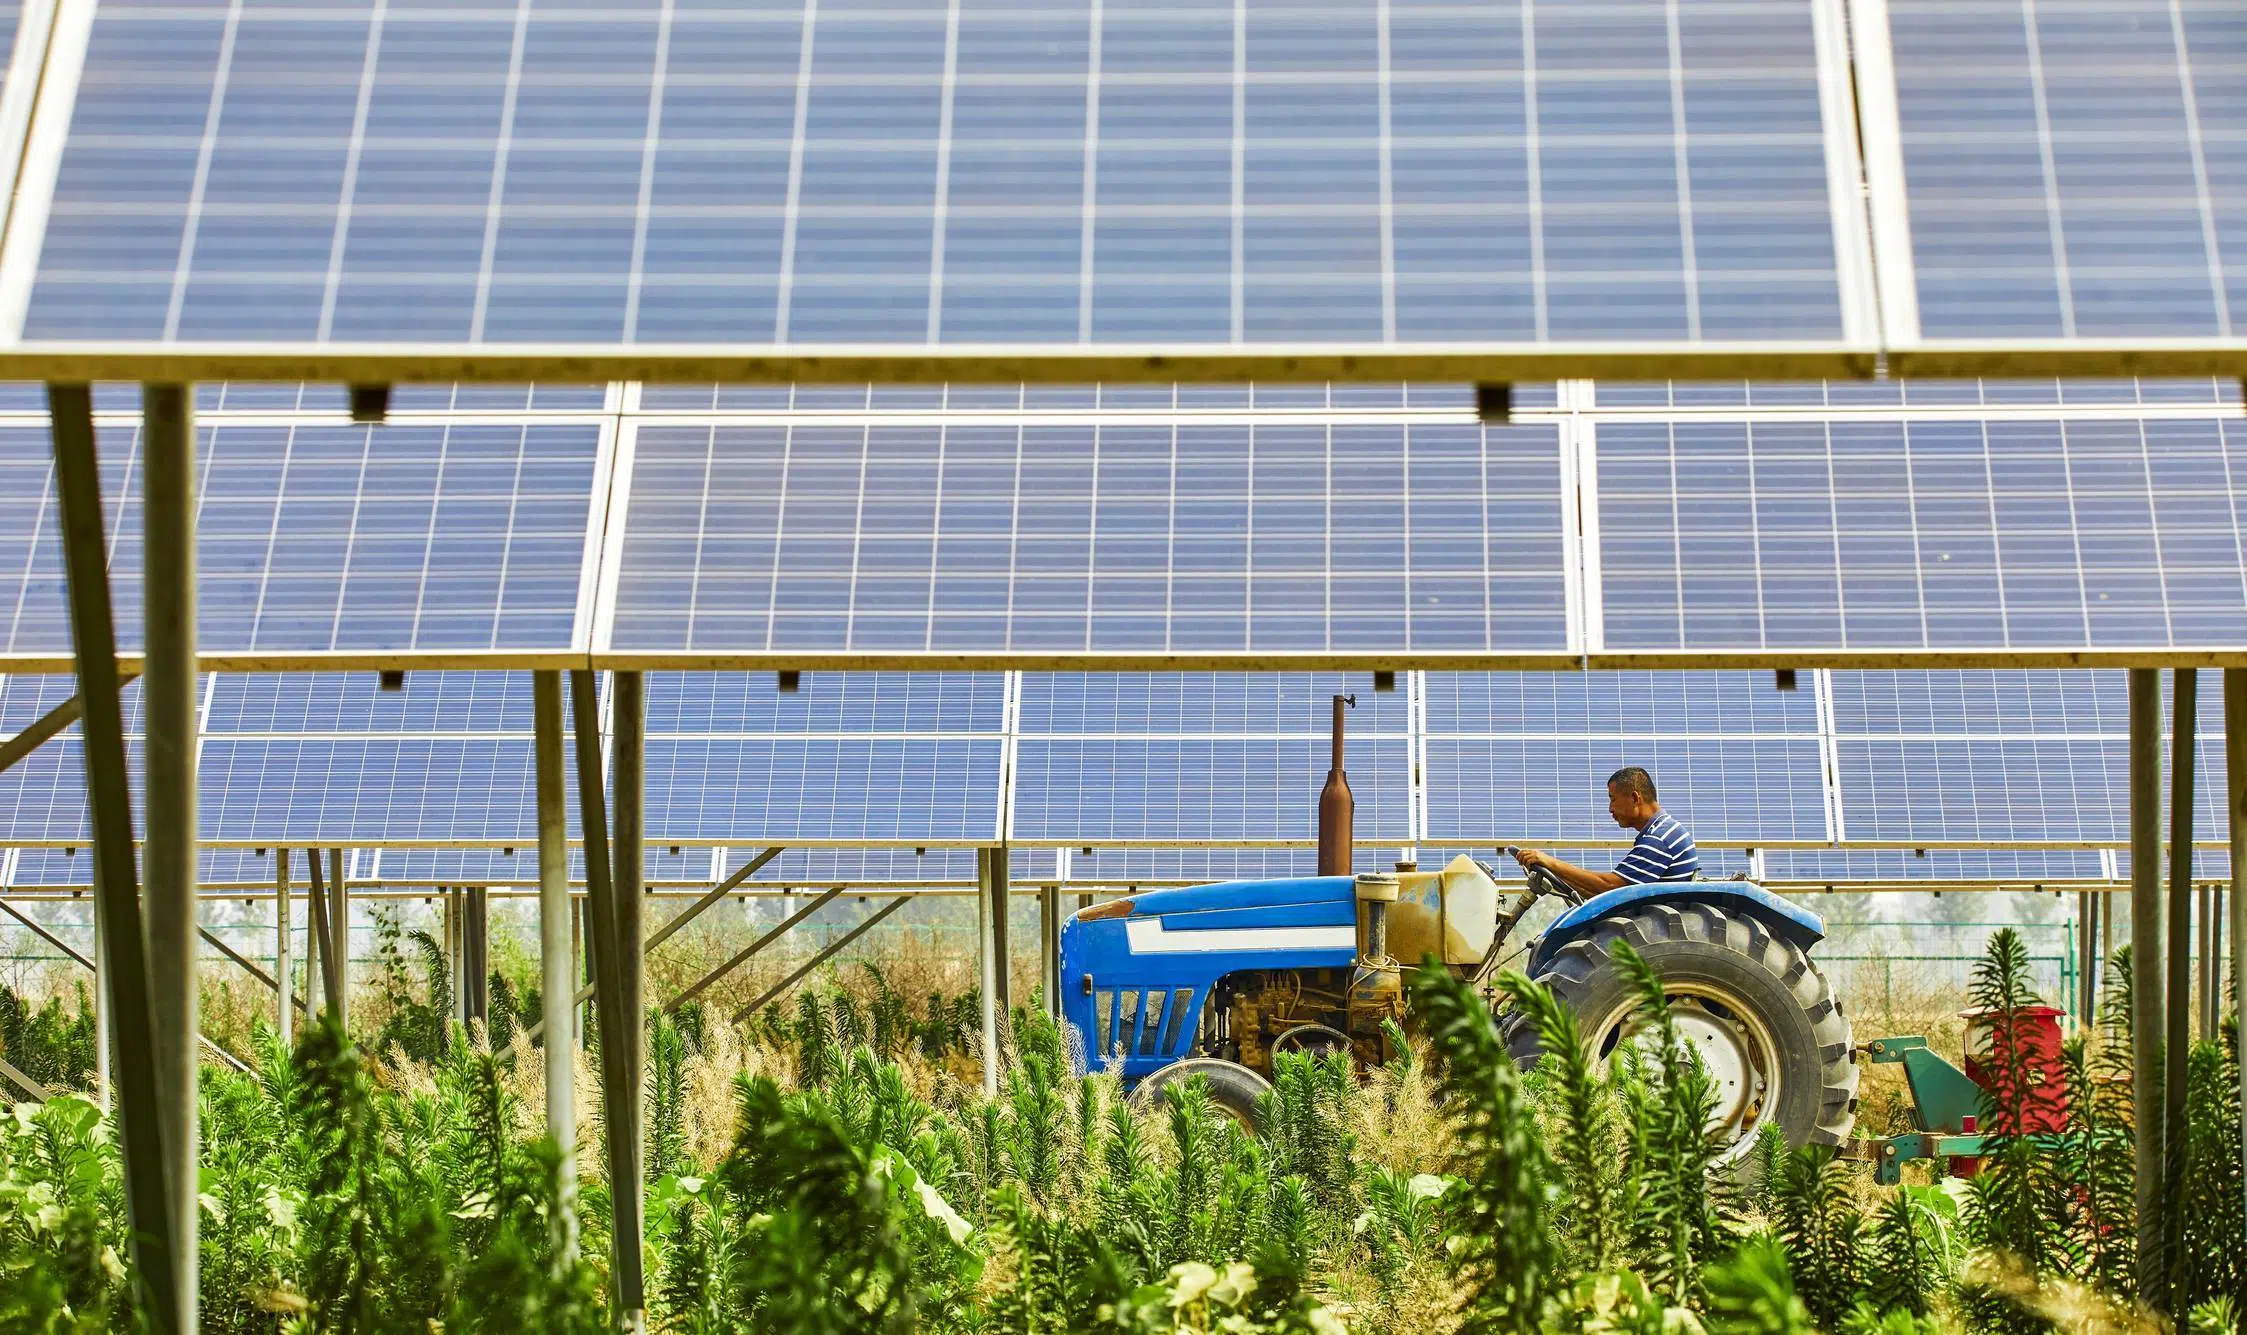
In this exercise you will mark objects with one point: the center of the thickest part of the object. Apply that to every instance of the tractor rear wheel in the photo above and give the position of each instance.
(1766, 1024)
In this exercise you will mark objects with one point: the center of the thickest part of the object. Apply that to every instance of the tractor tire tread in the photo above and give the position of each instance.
(1827, 1114)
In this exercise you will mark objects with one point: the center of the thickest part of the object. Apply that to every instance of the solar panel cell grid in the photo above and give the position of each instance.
(1751, 790)
(1109, 537)
(991, 172)
(752, 704)
(2001, 534)
(1295, 704)
(332, 537)
(820, 788)
(1153, 789)
(2075, 169)
(1609, 703)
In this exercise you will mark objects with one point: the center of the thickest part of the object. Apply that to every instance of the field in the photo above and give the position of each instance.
(831, 1165)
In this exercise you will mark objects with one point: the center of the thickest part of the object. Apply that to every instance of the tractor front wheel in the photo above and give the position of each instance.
(1232, 1087)
(1763, 1019)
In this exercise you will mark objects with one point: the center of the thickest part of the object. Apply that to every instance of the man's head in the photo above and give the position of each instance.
(1630, 797)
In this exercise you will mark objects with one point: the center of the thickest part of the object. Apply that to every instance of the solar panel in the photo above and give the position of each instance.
(846, 173)
(2002, 756)
(751, 704)
(1094, 537)
(2075, 169)
(777, 790)
(1154, 789)
(1194, 756)
(464, 536)
(1295, 704)
(1922, 534)
(1529, 788)
(348, 791)
(1934, 864)
(1609, 704)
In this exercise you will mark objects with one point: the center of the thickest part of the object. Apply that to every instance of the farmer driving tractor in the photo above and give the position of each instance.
(1663, 852)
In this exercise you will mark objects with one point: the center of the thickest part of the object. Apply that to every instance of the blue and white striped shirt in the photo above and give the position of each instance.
(1664, 852)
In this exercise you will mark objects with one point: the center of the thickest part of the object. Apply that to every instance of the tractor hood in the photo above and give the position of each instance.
(1451, 913)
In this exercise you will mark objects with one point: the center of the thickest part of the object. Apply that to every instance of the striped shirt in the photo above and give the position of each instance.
(1664, 852)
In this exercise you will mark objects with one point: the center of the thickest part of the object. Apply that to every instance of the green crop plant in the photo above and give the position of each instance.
(832, 1165)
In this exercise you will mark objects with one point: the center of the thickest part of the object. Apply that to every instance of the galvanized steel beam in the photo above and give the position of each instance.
(286, 1001)
(2235, 810)
(159, 1254)
(171, 720)
(614, 1008)
(715, 893)
(2184, 715)
(2149, 1014)
(562, 658)
(556, 957)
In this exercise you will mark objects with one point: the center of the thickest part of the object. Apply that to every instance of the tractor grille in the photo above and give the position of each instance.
(1128, 1022)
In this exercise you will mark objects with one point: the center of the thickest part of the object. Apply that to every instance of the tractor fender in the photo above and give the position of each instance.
(1788, 921)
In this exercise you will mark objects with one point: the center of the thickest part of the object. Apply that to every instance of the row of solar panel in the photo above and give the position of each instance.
(1691, 396)
(1933, 758)
(1723, 535)
(1742, 705)
(923, 171)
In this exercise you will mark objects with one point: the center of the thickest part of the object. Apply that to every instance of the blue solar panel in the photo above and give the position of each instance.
(372, 789)
(1922, 534)
(1201, 788)
(1530, 788)
(780, 789)
(330, 537)
(2075, 169)
(1934, 864)
(353, 702)
(1856, 394)
(1134, 538)
(1586, 705)
(1290, 704)
(2002, 756)
(749, 704)
(777, 173)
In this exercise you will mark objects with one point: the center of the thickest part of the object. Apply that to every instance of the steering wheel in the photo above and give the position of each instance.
(1543, 882)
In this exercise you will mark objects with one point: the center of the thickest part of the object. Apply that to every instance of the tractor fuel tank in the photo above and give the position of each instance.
(1452, 913)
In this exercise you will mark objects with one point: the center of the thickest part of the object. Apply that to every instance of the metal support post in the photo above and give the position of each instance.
(457, 950)
(992, 955)
(2184, 715)
(159, 1254)
(1049, 947)
(477, 956)
(557, 954)
(448, 909)
(2149, 1012)
(2086, 958)
(285, 1009)
(168, 857)
(319, 942)
(2235, 808)
(339, 929)
(628, 874)
(2211, 977)
(617, 1008)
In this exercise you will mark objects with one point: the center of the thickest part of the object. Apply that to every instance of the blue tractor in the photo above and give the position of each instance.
(1218, 980)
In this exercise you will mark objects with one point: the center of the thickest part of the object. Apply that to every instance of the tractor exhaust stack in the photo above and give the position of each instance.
(1337, 809)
